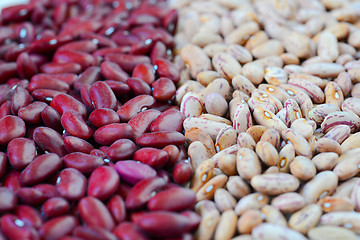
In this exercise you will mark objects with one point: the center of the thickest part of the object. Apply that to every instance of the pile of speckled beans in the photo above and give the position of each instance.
(180, 119)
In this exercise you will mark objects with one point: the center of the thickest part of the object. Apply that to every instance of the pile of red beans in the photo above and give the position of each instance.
(91, 146)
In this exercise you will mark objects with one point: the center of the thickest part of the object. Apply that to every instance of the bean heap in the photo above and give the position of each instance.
(271, 95)
(88, 126)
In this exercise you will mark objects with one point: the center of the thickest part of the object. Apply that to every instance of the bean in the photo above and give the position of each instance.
(96, 188)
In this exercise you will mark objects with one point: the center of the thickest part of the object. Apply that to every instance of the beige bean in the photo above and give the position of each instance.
(345, 48)
(256, 39)
(298, 44)
(243, 84)
(206, 77)
(204, 38)
(251, 201)
(248, 220)
(230, 150)
(254, 102)
(273, 215)
(313, 79)
(241, 34)
(210, 127)
(328, 145)
(271, 99)
(269, 48)
(226, 65)
(322, 185)
(344, 58)
(220, 86)
(332, 204)
(268, 119)
(300, 144)
(227, 164)
(237, 187)
(203, 173)
(292, 68)
(338, 118)
(278, 92)
(344, 82)
(302, 168)
(254, 72)
(240, 53)
(288, 202)
(210, 217)
(227, 137)
(268, 231)
(355, 90)
(331, 233)
(191, 105)
(323, 70)
(275, 75)
(271, 61)
(289, 59)
(305, 127)
(242, 237)
(275, 183)
(267, 153)
(242, 119)
(256, 132)
(215, 104)
(198, 153)
(215, 118)
(206, 192)
(244, 140)
(214, 48)
(325, 161)
(247, 163)
(349, 220)
(339, 133)
(315, 92)
(224, 200)
(196, 59)
(306, 218)
(188, 86)
(345, 189)
(196, 134)
(301, 97)
(286, 156)
(327, 45)
(292, 111)
(355, 196)
(333, 94)
(319, 112)
(352, 142)
(272, 136)
(351, 104)
(227, 226)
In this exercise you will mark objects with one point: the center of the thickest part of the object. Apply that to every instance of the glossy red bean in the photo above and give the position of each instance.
(20, 98)
(58, 227)
(12, 180)
(125, 39)
(30, 216)
(127, 61)
(108, 134)
(121, 149)
(173, 199)
(82, 162)
(25, 66)
(48, 83)
(48, 190)
(40, 169)
(112, 71)
(45, 95)
(51, 118)
(31, 113)
(116, 207)
(182, 172)
(14, 228)
(84, 59)
(163, 89)
(55, 207)
(158, 51)
(21, 151)
(103, 182)
(129, 231)
(103, 116)
(8, 199)
(80, 45)
(169, 120)
(61, 68)
(68, 78)
(65, 102)
(102, 96)
(75, 125)
(7, 71)
(5, 109)
(165, 68)
(49, 140)
(119, 88)
(145, 72)
(94, 213)
(140, 194)
(102, 41)
(30, 196)
(133, 171)
(89, 76)
(71, 184)
(161, 139)
(93, 233)
(11, 127)
(3, 163)
(104, 51)
(141, 122)
(164, 224)
(138, 86)
(75, 144)
(85, 97)
(134, 106)
(153, 157)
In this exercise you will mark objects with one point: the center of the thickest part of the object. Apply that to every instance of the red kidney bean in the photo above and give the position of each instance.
(165, 68)
(55, 207)
(94, 213)
(25, 32)
(5, 92)
(133, 172)
(14, 228)
(13, 53)
(169, 21)
(116, 207)
(161, 139)
(51, 118)
(49, 140)
(30, 216)
(164, 223)
(182, 172)
(87, 46)
(103, 182)
(85, 97)
(5, 109)
(129, 231)
(84, 59)
(104, 51)
(134, 106)
(75, 144)
(169, 120)
(108, 134)
(40, 169)
(21, 151)
(112, 71)
(125, 39)
(102, 96)
(39, 59)
(163, 89)
(12, 180)
(70, 238)
(65, 102)
(138, 86)
(11, 127)
(174, 154)
(58, 227)
(142, 47)
(8, 199)
(48, 190)
(140, 194)
(89, 76)
(153, 157)
(71, 184)
(50, 83)
(118, 88)
(173, 199)
(30, 196)
(158, 51)
(45, 95)
(141, 122)
(93, 233)
(121, 149)
(68, 78)
(3, 163)
(145, 72)
(82, 162)
(127, 61)
(25, 67)
(31, 113)
(101, 40)
(7, 71)
(20, 98)
(61, 68)
(75, 125)
(103, 116)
